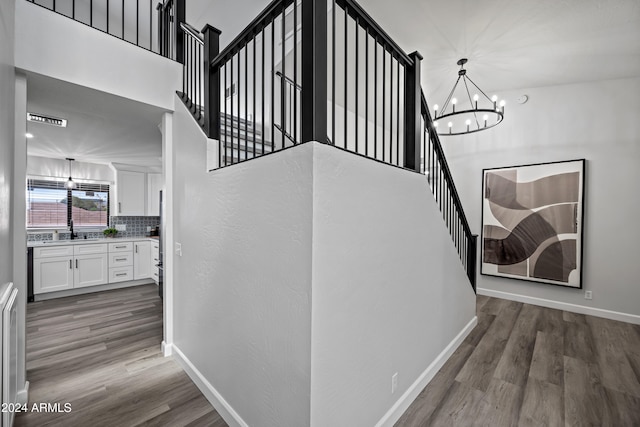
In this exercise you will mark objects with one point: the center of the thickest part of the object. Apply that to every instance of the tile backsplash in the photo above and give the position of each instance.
(136, 227)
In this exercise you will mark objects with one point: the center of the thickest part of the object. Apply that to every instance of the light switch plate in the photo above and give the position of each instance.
(179, 249)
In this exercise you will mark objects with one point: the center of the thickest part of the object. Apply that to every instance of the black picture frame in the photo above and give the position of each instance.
(533, 222)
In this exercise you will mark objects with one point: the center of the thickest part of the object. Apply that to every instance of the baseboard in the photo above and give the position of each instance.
(167, 349)
(22, 397)
(410, 395)
(213, 396)
(574, 308)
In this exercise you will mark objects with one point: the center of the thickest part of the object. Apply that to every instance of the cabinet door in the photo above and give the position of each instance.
(154, 184)
(52, 274)
(90, 270)
(141, 260)
(131, 193)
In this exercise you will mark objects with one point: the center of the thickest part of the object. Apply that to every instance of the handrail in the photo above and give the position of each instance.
(188, 29)
(262, 20)
(288, 80)
(356, 11)
(447, 172)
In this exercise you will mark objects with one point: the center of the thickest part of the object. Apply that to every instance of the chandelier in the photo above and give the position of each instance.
(480, 113)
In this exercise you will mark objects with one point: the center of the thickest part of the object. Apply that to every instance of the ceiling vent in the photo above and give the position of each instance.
(53, 121)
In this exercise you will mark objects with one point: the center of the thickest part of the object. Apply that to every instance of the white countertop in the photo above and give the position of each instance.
(88, 241)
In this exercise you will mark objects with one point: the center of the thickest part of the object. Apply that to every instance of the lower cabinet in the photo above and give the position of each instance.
(141, 257)
(58, 268)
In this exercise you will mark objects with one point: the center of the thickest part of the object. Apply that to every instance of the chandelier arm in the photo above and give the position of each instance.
(481, 91)
(446, 103)
(475, 114)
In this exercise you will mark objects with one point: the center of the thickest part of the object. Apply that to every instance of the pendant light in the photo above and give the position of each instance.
(70, 184)
(471, 114)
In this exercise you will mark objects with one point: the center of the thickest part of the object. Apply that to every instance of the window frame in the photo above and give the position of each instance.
(69, 197)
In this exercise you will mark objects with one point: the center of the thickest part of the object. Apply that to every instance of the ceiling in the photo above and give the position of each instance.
(102, 128)
(510, 44)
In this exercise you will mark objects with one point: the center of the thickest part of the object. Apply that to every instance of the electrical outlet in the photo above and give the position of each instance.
(179, 249)
(121, 227)
(588, 295)
(394, 382)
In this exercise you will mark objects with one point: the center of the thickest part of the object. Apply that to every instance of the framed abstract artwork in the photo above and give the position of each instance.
(532, 222)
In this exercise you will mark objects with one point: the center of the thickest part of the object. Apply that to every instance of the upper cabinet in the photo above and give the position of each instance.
(130, 193)
(154, 185)
(136, 193)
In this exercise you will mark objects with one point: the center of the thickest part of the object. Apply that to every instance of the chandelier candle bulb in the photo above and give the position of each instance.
(450, 124)
(485, 118)
(468, 122)
(435, 111)
(475, 99)
(454, 101)
(502, 103)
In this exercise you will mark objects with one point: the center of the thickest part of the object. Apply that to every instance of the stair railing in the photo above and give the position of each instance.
(154, 28)
(434, 166)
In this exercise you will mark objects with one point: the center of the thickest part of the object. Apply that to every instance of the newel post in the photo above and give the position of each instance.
(180, 16)
(211, 82)
(472, 256)
(412, 100)
(313, 101)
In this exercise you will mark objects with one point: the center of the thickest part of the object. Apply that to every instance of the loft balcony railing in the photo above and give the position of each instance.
(320, 70)
(154, 27)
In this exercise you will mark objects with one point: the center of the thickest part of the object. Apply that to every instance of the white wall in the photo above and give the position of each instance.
(597, 121)
(47, 167)
(54, 45)
(7, 138)
(389, 291)
(242, 289)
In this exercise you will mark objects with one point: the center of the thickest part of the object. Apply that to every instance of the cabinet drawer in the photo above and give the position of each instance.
(100, 248)
(121, 247)
(120, 259)
(120, 274)
(52, 251)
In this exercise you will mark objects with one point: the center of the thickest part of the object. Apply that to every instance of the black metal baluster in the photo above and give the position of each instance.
(346, 94)
(384, 97)
(122, 19)
(391, 108)
(253, 93)
(246, 101)
(231, 91)
(273, 93)
(295, 72)
(263, 73)
(54, 5)
(366, 92)
(333, 73)
(73, 9)
(398, 112)
(150, 24)
(137, 22)
(375, 98)
(226, 116)
(357, 98)
(282, 81)
(239, 92)
(199, 104)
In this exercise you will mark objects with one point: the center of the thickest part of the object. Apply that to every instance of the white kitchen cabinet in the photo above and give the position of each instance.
(154, 185)
(58, 268)
(90, 270)
(130, 193)
(52, 274)
(141, 260)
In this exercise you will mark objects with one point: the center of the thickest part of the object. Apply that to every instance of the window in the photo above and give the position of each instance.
(51, 205)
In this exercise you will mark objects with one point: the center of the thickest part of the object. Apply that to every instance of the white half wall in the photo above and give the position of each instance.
(56, 46)
(389, 291)
(597, 121)
(242, 287)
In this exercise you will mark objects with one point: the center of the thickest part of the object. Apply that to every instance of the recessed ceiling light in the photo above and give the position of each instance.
(39, 118)
(28, 135)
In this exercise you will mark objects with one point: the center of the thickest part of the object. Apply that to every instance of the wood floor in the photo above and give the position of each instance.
(522, 365)
(101, 353)
(525, 365)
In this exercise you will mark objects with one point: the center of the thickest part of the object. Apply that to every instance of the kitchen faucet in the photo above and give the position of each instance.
(73, 235)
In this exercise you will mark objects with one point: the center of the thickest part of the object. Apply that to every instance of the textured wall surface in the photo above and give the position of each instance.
(7, 137)
(389, 291)
(91, 58)
(597, 121)
(242, 287)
